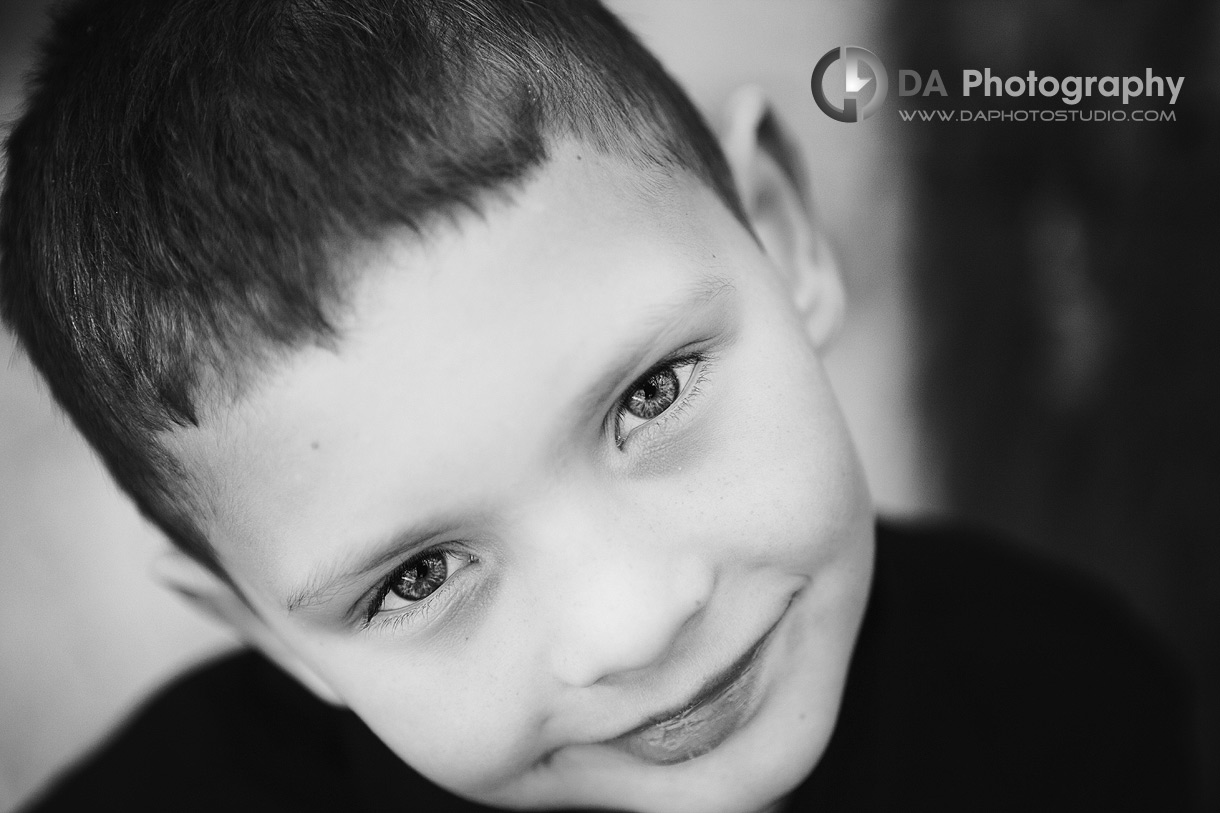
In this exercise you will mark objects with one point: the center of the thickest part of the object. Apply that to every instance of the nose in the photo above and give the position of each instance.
(626, 613)
(619, 602)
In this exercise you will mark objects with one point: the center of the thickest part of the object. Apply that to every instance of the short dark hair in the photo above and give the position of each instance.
(185, 173)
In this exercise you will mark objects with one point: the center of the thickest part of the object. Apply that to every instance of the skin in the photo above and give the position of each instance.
(595, 583)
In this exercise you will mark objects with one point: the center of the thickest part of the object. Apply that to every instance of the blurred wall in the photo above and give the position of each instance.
(1065, 286)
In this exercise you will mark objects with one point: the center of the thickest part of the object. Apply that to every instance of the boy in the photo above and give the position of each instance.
(478, 387)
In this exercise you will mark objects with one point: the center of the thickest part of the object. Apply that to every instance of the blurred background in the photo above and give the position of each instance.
(1032, 341)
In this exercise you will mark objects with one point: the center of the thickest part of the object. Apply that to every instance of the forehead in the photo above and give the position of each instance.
(468, 357)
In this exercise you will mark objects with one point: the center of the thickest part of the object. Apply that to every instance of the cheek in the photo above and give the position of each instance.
(452, 717)
(777, 465)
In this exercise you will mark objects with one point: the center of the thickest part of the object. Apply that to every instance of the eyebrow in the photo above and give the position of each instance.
(664, 319)
(331, 580)
(328, 581)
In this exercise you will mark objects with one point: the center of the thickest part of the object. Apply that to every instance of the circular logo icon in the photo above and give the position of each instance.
(864, 80)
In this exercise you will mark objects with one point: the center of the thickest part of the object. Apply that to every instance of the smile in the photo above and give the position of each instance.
(724, 704)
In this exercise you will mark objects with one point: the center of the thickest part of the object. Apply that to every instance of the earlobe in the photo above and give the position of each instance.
(216, 598)
(772, 184)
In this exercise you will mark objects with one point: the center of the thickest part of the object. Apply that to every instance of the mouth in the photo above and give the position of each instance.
(725, 703)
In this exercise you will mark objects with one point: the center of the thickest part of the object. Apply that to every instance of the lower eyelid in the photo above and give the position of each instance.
(423, 609)
(394, 619)
(420, 611)
(686, 397)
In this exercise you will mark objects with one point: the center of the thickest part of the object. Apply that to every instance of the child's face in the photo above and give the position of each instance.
(576, 570)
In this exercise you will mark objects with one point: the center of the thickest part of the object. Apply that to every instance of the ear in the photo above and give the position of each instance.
(217, 598)
(772, 184)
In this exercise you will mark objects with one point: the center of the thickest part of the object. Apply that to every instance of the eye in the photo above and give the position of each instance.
(651, 395)
(417, 579)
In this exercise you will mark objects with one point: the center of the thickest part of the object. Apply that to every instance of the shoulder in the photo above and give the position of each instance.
(990, 600)
(986, 672)
(974, 583)
(233, 734)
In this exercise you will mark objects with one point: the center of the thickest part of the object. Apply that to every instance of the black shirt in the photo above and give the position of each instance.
(983, 680)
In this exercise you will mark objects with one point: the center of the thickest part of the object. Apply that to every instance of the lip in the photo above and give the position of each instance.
(724, 704)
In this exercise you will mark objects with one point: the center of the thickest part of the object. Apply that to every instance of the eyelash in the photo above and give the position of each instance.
(378, 619)
(686, 395)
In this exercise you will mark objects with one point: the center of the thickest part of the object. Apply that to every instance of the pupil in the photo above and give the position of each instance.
(422, 577)
(654, 394)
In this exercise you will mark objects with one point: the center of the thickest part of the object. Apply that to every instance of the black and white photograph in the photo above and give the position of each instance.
(656, 406)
